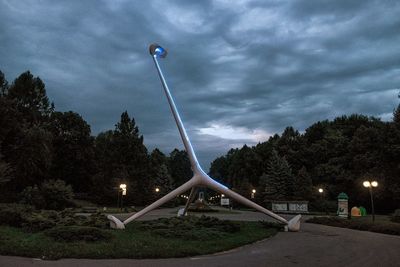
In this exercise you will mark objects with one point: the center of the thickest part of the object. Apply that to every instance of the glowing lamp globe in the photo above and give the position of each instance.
(157, 51)
(366, 184)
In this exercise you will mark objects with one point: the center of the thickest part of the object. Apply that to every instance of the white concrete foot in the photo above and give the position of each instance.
(294, 224)
(181, 212)
(115, 223)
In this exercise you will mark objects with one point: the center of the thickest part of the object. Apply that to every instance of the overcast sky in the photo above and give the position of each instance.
(240, 71)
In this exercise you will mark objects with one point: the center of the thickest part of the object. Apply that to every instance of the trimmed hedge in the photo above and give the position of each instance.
(378, 227)
(183, 227)
(78, 233)
(396, 216)
(23, 216)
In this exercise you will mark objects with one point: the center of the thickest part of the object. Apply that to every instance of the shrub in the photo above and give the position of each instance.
(14, 214)
(331, 221)
(78, 233)
(31, 220)
(57, 194)
(396, 216)
(183, 227)
(38, 221)
(382, 227)
(32, 196)
(323, 206)
(52, 194)
(98, 220)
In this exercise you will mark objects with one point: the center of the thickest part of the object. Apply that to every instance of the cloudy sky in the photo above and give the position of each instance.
(239, 70)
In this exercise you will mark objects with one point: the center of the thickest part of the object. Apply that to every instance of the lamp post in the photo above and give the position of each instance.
(200, 177)
(253, 192)
(369, 185)
(324, 205)
(122, 188)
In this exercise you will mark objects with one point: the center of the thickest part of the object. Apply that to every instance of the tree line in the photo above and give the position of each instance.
(336, 156)
(39, 143)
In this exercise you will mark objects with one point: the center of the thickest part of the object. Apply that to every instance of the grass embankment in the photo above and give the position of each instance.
(163, 238)
(382, 224)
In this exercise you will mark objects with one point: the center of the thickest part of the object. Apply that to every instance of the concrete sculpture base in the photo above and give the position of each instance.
(200, 178)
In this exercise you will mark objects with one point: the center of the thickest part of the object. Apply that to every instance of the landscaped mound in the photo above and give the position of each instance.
(78, 233)
(32, 220)
(162, 238)
(191, 227)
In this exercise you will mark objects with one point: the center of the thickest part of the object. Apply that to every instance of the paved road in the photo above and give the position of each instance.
(314, 245)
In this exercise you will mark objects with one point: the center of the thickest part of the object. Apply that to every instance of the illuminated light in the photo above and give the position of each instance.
(321, 190)
(366, 184)
(253, 191)
(374, 183)
(157, 189)
(157, 51)
(222, 195)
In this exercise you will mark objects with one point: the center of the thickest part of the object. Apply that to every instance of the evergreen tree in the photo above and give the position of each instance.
(5, 171)
(31, 157)
(302, 185)
(73, 156)
(219, 169)
(179, 167)
(396, 116)
(3, 84)
(159, 173)
(122, 158)
(245, 165)
(279, 184)
(29, 95)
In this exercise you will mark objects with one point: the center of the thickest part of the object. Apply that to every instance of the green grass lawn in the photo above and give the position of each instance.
(134, 242)
(382, 223)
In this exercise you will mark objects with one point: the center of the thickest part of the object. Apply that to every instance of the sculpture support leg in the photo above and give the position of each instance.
(183, 188)
(192, 195)
(218, 187)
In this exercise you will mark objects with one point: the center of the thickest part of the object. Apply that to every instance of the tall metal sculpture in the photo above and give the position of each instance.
(200, 178)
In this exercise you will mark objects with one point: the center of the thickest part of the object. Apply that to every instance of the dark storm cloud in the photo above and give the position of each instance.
(239, 70)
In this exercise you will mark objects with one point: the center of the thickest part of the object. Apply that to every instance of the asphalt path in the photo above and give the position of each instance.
(314, 245)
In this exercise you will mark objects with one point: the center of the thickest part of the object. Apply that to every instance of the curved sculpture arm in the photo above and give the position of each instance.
(185, 138)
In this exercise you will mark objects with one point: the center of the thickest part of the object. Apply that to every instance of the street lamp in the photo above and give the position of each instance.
(369, 185)
(324, 205)
(200, 177)
(157, 189)
(122, 188)
(253, 192)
